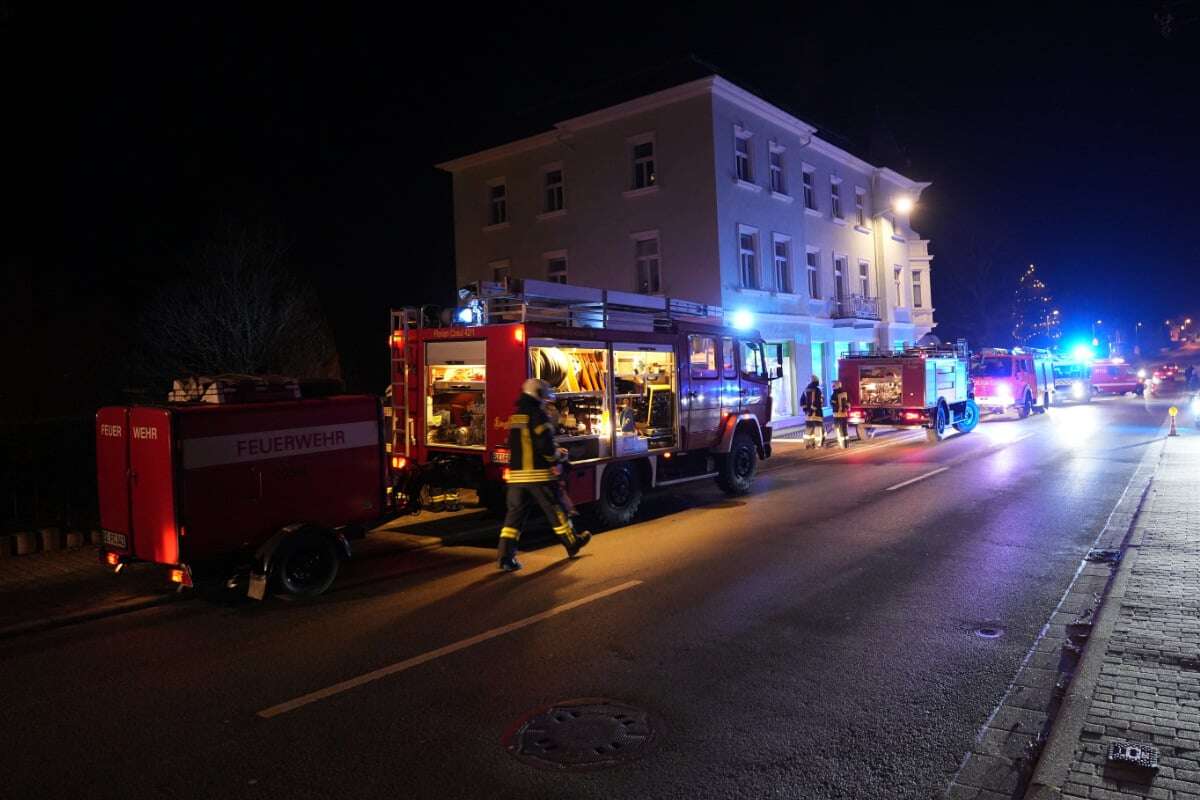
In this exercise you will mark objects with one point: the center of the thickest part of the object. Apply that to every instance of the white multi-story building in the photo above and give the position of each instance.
(708, 193)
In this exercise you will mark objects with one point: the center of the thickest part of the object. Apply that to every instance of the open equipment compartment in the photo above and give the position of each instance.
(456, 397)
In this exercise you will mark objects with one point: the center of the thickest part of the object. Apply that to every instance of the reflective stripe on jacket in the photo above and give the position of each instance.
(532, 453)
(841, 403)
(814, 403)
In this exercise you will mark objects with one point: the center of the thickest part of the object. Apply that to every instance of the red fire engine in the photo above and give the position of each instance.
(650, 391)
(270, 487)
(920, 387)
(1020, 379)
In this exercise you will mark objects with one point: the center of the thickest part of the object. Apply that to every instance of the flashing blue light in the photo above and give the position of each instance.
(466, 315)
(743, 320)
(1083, 353)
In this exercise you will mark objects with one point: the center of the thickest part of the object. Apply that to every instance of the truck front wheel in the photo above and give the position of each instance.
(1026, 407)
(969, 419)
(737, 468)
(308, 563)
(620, 495)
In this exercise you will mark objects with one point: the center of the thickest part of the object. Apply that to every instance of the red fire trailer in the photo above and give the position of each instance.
(273, 487)
(651, 391)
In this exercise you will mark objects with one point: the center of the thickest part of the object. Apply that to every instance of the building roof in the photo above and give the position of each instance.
(708, 84)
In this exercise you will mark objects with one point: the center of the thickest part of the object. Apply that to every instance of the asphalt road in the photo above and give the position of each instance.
(812, 640)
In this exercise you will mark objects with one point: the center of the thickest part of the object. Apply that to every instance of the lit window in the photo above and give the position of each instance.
(703, 358)
(783, 267)
(501, 270)
(644, 175)
(810, 192)
(812, 260)
(555, 199)
(748, 256)
(778, 184)
(646, 264)
(742, 157)
(835, 198)
(898, 280)
(497, 203)
(918, 294)
(860, 208)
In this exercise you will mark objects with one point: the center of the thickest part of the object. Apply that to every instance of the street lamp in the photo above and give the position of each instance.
(903, 204)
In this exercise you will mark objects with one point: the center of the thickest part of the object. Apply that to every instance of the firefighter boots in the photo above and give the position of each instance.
(508, 554)
(576, 542)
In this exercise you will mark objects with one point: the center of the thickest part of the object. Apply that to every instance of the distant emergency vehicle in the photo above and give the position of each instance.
(1116, 376)
(1072, 382)
(1020, 380)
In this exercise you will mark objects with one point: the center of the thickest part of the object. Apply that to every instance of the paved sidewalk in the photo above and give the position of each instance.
(1140, 676)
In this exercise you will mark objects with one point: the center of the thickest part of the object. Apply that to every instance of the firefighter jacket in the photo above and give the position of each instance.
(814, 402)
(532, 453)
(840, 402)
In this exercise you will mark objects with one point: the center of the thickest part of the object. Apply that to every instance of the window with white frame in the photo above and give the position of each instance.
(839, 278)
(783, 264)
(898, 281)
(809, 176)
(812, 260)
(497, 202)
(918, 290)
(748, 257)
(775, 160)
(647, 263)
(896, 227)
(501, 270)
(556, 266)
(642, 153)
(835, 198)
(554, 194)
(742, 155)
(864, 278)
(860, 207)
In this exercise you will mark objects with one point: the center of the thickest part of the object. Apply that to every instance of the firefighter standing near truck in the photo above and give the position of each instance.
(814, 414)
(533, 474)
(840, 400)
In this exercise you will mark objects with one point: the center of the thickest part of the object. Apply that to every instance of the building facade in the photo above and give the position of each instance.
(708, 193)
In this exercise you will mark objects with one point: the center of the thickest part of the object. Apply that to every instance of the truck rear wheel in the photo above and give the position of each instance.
(970, 417)
(737, 468)
(308, 563)
(937, 428)
(620, 495)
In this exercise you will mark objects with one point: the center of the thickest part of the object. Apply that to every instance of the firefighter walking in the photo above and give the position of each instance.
(814, 414)
(840, 400)
(532, 475)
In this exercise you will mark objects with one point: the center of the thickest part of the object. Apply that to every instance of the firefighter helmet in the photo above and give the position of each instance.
(538, 389)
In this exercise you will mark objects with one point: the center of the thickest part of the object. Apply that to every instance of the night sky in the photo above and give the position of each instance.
(1064, 136)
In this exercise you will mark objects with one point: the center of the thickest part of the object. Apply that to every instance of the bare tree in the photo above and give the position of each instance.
(237, 307)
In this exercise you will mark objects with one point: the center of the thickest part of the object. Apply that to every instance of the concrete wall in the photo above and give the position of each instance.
(600, 217)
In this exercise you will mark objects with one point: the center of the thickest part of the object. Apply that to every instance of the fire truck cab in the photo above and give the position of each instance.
(1020, 379)
(650, 391)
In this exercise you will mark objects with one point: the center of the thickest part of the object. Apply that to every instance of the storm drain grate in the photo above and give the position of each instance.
(590, 733)
(989, 632)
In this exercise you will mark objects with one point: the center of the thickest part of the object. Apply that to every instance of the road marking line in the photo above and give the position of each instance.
(914, 480)
(400, 666)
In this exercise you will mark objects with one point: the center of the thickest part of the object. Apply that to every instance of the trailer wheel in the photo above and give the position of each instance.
(738, 467)
(308, 564)
(970, 418)
(1026, 407)
(620, 495)
(492, 496)
(937, 429)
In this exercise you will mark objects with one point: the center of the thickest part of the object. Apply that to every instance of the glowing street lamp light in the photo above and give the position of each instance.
(903, 204)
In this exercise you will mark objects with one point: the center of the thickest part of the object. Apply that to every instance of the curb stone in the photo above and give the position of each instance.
(52, 539)
(74, 540)
(7, 545)
(112, 610)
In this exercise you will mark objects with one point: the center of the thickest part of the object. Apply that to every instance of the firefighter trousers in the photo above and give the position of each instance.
(841, 428)
(521, 499)
(814, 432)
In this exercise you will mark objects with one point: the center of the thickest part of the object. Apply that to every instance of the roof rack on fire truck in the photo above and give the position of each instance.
(1015, 351)
(527, 300)
(957, 349)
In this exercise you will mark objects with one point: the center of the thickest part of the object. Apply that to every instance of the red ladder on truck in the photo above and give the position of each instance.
(403, 347)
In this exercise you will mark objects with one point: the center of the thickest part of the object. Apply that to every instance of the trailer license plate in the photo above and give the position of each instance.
(116, 540)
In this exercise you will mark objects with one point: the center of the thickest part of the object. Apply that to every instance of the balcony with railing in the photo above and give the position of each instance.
(856, 306)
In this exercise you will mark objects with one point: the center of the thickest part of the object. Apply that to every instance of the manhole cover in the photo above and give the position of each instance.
(590, 733)
(989, 632)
